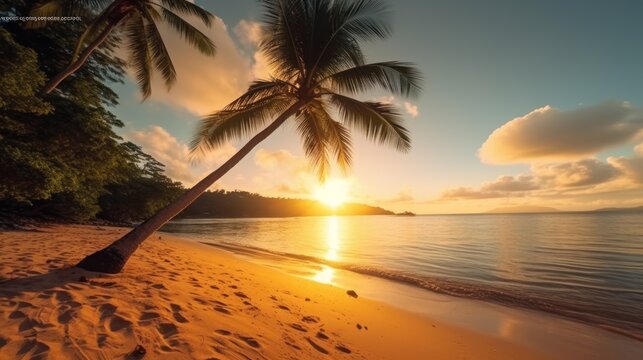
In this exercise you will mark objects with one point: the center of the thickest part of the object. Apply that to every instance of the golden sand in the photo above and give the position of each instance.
(184, 300)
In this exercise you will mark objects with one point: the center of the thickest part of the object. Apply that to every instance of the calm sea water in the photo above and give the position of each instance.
(586, 266)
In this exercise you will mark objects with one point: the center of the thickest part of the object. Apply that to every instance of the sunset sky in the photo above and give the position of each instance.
(524, 103)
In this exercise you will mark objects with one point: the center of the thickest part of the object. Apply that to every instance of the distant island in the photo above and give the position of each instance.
(237, 204)
(522, 210)
(619, 209)
(545, 209)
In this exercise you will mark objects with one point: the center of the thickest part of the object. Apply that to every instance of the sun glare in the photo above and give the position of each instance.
(333, 193)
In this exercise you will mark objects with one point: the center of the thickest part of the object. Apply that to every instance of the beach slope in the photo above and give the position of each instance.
(179, 299)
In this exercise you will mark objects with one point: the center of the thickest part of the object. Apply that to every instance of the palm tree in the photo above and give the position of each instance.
(313, 46)
(138, 20)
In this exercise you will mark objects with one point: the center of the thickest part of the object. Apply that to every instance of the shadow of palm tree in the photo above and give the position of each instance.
(54, 279)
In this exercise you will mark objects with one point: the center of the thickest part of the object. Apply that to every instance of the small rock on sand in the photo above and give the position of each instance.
(351, 293)
(138, 352)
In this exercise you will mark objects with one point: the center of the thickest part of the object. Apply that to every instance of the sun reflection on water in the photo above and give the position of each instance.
(332, 238)
(326, 273)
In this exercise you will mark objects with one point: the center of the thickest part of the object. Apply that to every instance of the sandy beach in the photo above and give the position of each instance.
(184, 300)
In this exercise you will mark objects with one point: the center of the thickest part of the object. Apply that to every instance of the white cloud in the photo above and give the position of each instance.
(174, 154)
(411, 109)
(548, 134)
(408, 107)
(249, 32)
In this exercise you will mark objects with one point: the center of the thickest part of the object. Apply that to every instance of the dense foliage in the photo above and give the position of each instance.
(60, 155)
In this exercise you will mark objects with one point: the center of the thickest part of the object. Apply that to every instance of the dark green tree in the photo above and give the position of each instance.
(59, 157)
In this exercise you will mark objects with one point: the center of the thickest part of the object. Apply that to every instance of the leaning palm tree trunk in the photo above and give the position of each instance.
(112, 258)
(82, 58)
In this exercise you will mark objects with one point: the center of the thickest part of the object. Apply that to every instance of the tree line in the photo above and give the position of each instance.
(60, 157)
(221, 203)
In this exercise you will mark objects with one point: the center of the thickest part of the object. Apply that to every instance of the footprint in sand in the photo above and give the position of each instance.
(168, 330)
(321, 335)
(241, 295)
(176, 311)
(316, 346)
(299, 327)
(37, 350)
(17, 315)
(310, 319)
(223, 332)
(27, 324)
(249, 340)
(117, 323)
(146, 316)
(221, 309)
(343, 349)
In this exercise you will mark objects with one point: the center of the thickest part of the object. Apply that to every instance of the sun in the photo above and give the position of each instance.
(333, 193)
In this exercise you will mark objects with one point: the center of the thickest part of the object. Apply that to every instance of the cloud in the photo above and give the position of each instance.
(583, 177)
(549, 134)
(167, 149)
(631, 167)
(575, 174)
(250, 34)
(279, 159)
(404, 195)
(204, 84)
(284, 173)
(407, 106)
(411, 109)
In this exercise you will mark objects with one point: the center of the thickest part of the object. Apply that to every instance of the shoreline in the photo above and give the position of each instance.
(442, 287)
(512, 323)
(182, 299)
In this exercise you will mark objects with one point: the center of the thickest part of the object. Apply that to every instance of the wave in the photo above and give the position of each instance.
(616, 321)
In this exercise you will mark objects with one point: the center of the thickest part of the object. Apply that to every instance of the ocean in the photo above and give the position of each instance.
(582, 266)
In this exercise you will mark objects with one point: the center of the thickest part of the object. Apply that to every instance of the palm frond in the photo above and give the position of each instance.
(348, 23)
(259, 89)
(188, 32)
(285, 21)
(314, 138)
(397, 77)
(157, 50)
(338, 137)
(379, 122)
(140, 58)
(226, 125)
(188, 8)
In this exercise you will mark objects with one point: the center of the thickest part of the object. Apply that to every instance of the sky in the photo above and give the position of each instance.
(524, 103)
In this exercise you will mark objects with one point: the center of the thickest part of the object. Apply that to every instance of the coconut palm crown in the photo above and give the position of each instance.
(138, 21)
(318, 66)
